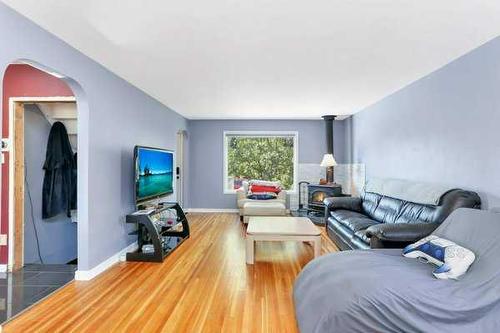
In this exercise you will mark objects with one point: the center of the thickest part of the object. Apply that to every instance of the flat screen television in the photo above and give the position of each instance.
(153, 173)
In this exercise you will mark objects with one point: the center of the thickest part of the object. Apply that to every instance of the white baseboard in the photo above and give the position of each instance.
(212, 210)
(92, 273)
(3, 268)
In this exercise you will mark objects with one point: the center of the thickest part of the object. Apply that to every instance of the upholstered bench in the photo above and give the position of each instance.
(263, 208)
(252, 207)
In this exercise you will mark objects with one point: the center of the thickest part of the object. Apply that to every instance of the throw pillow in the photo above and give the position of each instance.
(261, 188)
(262, 196)
(452, 260)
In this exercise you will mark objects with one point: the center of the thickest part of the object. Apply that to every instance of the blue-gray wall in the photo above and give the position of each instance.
(57, 235)
(113, 117)
(444, 128)
(206, 153)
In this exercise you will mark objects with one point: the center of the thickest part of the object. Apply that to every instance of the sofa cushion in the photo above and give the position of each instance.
(345, 235)
(339, 228)
(245, 200)
(370, 202)
(354, 221)
(387, 210)
(415, 213)
(264, 208)
(393, 210)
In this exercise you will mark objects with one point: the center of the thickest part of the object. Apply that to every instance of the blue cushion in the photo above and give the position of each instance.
(261, 196)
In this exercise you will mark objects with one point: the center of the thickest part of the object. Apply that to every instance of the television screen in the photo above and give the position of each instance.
(153, 172)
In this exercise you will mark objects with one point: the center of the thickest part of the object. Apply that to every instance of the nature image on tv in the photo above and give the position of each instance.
(155, 172)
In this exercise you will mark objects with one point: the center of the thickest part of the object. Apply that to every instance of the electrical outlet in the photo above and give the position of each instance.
(3, 239)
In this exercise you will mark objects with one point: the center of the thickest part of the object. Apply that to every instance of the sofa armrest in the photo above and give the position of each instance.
(282, 196)
(240, 194)
(333, 203)
(241, 197)
(400, 232)
(349, 203)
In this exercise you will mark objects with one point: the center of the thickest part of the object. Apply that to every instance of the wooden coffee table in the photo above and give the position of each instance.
(281, 228)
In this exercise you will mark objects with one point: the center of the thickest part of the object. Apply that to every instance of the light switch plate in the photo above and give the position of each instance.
(3, 239)
(5, 144)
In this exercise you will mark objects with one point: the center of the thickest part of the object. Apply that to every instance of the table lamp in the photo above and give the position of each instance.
(328, 162)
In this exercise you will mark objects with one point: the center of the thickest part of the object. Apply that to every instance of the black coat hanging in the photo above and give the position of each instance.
(59, 183)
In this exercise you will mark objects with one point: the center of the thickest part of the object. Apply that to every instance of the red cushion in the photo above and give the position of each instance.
(260, 188)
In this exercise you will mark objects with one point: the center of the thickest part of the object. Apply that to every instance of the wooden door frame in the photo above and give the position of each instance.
(16, 175)
(179, 154)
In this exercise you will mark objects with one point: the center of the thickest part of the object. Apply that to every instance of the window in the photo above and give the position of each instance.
(260, 155)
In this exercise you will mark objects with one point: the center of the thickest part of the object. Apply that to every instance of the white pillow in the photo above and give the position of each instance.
(452, 260)
(264, 183)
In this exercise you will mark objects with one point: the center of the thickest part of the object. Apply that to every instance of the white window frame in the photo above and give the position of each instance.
(262, 134)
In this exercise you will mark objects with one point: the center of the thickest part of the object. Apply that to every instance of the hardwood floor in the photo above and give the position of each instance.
(204, 286)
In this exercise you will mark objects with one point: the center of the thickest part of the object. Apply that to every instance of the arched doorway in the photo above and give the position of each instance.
(35, 88)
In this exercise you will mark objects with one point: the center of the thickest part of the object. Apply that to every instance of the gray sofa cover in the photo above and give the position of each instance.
(382, 291)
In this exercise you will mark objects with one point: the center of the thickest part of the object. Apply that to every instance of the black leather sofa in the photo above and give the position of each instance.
(378, 221)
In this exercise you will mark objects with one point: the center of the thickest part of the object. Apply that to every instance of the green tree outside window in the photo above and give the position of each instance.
(266, 158)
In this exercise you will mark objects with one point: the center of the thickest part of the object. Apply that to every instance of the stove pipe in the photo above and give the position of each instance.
(329, 133)
(329, 144)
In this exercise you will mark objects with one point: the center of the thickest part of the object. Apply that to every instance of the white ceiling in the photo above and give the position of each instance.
(268, 58)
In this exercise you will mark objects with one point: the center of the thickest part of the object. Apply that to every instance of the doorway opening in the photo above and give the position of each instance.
(41, 236)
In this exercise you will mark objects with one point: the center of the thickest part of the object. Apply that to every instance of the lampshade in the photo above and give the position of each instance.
(328, 161)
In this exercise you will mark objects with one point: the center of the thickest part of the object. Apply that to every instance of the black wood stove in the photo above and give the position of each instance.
(317, 193)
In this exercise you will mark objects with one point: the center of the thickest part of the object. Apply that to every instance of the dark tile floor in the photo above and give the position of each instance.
(23, 288)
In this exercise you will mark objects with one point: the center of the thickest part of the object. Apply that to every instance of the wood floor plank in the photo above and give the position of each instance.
(204, 286)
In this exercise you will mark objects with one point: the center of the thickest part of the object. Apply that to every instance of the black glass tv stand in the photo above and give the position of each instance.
(160, 230)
